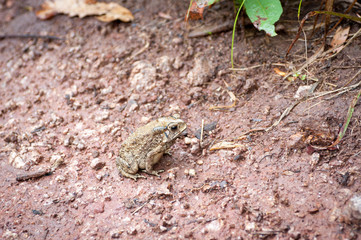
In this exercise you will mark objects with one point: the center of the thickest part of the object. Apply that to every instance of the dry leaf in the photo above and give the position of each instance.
(165, 15)
(226, 145)
(106, 12)
(279, 72)
(339, 38)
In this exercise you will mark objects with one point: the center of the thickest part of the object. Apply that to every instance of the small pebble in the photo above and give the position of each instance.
(95, 154)
(192, 172)
(132, 231)
(97, 164)
(187, 140)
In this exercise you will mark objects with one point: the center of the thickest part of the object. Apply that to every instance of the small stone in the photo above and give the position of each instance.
(351, 213)
(302, 91)
(294, 234)
(95, 154)
(195, 149)
(178, 63)
(355, 207)
(200, 162)
(295, 141)
(192, 172)
(94, 75)
(102, 116)
(11, 138)
(164, 64)
(315, 158)
(16, 160)
(80, 146)
(201, 72)
(250, 226)
(142, 75)
(132, 105)
(214, 226)
(68, 140)
(187, 140)
(186, 206)
(162, 229)
(56, 160)
(9, 235)
(177, 40)
(132, 231)
(60, 178)
(97, 164)
(116, 234)
(250, 85)
(167, 217)
(98, 207)
(188, 234)
(107, 90)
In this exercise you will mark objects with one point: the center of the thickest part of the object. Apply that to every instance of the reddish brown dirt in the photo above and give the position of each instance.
(77, 99)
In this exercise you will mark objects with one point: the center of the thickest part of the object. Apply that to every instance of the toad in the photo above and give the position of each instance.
(146, 146)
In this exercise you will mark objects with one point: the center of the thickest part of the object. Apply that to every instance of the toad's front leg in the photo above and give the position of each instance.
(152, 158)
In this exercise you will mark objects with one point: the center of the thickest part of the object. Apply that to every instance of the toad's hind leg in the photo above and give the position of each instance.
(128, 170)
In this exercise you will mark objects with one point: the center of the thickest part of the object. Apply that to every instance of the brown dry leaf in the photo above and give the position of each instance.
(226, 145)
(279, 72)
(106, 12)
(339, 38)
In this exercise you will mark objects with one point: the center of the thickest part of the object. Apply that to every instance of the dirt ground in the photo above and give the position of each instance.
(69, 104)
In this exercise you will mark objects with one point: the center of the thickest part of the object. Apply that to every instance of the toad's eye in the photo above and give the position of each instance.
(174, 127)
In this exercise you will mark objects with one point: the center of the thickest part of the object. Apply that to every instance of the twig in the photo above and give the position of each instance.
(40, 173)
(251, 131)
(285, 114)
(343, 89)
(146, 45)
(202, 130)
(354, 76)
(139, 208)
(37, 174)
(247, 68)
(209, 30)
(31, 36)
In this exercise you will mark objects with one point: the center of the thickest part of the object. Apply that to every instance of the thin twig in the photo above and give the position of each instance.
(31, 36)
(354, 76)
(37, 174)
(202, 130)
(246, 68)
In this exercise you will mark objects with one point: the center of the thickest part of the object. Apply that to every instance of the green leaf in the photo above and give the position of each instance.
(264, 14)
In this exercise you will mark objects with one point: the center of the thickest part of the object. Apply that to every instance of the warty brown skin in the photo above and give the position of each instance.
(146, 146)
